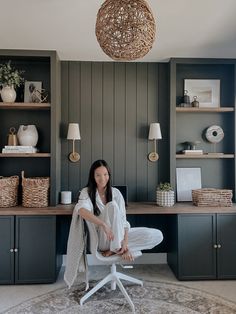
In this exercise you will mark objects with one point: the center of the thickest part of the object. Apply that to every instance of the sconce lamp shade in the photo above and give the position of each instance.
(73, 131)
(155, 132)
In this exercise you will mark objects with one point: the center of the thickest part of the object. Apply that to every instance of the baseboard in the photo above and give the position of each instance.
(146, 258)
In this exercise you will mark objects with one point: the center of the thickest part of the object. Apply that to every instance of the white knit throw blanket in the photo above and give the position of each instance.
(76, 259)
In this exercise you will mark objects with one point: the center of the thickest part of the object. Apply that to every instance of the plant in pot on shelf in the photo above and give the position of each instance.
(165, 195)
(10, 78)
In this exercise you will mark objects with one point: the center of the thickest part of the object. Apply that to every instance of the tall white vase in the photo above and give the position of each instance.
(27, 135)
(8, 93)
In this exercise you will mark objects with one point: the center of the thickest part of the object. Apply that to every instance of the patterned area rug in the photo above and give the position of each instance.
(153, 297)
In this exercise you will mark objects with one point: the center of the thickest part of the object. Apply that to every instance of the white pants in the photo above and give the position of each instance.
(140, 238)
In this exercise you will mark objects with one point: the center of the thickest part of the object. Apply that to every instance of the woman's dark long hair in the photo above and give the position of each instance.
(92, 185)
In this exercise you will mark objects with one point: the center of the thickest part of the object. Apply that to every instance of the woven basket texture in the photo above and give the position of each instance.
(35, 191)
(212, 197)
(125, 29)
(9, 191)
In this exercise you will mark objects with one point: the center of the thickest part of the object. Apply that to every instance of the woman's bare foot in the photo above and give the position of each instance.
(127, 256)
(107, 253)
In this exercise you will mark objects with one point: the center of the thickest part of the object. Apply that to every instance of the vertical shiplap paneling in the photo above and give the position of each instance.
(86, 120)
(142, 132)
(74, 117)
(152, 117)
(108, 113)
(119, 124)
(97, 111)
(131, 130)
(114, 104)
(64, 125)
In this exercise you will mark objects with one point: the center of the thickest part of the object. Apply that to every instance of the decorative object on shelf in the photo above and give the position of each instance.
(206, 91)
(12, 137)
(9, 191)
(195, 102)
(154, 134)
(165, 195)
(10, 78)
(125, 29)
(73, 134)
(214, 134)
(35, 191)
(186, 100)
(32, 91)
(27, 135)
(212, 197)
(66, 197)
(187, 179)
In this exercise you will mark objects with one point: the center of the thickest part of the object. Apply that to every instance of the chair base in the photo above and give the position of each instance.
(114, 277)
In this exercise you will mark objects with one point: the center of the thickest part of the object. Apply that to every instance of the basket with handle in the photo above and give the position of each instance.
(35, 191)
(9, 191)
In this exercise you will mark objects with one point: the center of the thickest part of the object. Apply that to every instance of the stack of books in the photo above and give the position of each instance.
(18, 149)
(192, 151)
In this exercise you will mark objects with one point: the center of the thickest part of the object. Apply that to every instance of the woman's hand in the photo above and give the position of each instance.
(108, 232)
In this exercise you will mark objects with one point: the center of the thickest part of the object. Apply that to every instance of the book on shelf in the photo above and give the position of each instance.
(19, 149)
(192, 151)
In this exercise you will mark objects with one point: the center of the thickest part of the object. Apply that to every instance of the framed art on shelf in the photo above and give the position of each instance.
(206, 91)
(32, 91)
(187, 179)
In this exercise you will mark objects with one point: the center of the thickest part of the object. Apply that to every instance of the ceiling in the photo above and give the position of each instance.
(185, 28)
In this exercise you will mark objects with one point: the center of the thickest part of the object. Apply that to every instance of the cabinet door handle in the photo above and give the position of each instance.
(11, 250)
(16, 250)
(219, 246)
(215, 246)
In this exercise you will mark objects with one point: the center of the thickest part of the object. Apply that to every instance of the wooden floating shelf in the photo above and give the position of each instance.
(220, 109)
(22, 105)
(204, 156)
(35, 155)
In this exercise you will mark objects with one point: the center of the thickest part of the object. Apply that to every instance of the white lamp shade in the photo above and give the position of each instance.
(154, 131)
(73, 131)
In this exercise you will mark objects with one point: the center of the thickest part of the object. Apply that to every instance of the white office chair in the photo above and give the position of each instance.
(114, 276)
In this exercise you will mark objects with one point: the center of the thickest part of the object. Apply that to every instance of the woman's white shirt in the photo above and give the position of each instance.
(85, 202)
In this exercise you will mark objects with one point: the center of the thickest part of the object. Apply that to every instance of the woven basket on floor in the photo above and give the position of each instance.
(212, 197)
(35, 191)
(9, 191)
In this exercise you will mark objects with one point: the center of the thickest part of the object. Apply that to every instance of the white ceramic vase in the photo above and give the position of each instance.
(27, 135)
(8, 93)
(165, 198)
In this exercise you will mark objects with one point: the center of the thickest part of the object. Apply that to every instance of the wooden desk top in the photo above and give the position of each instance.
(133, 208)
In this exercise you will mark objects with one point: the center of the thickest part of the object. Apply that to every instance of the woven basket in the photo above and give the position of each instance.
(212, 197)
(35, 191)
(9, 191)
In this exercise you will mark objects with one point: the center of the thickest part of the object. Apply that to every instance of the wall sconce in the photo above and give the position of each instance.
(73, 134)
(154, 134)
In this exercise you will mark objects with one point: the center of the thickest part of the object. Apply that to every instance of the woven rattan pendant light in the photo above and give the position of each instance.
(125, 29)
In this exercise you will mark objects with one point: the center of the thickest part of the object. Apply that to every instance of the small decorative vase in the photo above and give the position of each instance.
(8, 93)
(165, 198)
(27, 135)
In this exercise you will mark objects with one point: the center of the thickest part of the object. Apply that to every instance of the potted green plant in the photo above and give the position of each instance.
(10, 78)
(165, 195)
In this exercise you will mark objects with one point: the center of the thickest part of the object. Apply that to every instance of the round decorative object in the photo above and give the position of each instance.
(8, 94)
(214, 134)
(125, 29)
(27, 135)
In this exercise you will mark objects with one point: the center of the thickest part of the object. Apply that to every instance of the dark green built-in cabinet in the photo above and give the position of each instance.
(28, 249)
(203, 246)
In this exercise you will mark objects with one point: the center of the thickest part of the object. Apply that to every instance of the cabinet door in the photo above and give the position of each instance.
(196, 253)
(226, 241)
(6, 244)
(36, 249)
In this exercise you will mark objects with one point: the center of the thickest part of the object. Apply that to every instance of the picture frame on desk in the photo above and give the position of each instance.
(206, 91)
